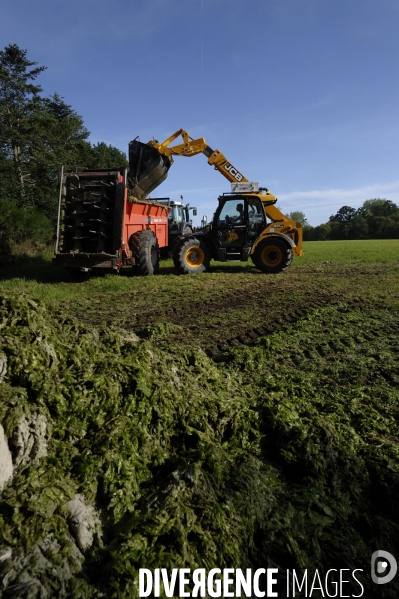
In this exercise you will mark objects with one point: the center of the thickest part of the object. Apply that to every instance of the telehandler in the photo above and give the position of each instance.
(246, 223)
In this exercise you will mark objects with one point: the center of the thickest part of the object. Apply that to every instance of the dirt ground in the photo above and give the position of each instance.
(227, 307)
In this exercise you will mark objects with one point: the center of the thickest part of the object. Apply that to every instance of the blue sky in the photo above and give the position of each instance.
(300, 95)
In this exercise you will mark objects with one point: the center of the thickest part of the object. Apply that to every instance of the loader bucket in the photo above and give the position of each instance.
(148, 168)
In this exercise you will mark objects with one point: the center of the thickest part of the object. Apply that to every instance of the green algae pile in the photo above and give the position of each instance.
(134, 453)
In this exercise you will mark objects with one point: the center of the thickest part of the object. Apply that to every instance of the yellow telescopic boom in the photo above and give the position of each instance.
(191, 147)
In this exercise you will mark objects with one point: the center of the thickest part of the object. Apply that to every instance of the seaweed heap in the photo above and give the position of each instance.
(130, 453)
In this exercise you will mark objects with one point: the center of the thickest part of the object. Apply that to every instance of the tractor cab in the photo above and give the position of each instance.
(237, 222)
(179, 221)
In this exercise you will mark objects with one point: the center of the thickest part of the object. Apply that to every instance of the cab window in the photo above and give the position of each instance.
(176, 214)
(232, 213)
(256, 217)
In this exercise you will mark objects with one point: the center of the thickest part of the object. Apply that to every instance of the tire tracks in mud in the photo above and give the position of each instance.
(218, 325)
(216, 339)
(229, 312)
(217, 350)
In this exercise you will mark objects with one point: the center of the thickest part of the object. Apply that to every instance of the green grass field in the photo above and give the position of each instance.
(38, 277)
(372, 251)
(223, 303)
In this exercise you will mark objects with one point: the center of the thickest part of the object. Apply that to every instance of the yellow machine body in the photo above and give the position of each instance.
(280, 225)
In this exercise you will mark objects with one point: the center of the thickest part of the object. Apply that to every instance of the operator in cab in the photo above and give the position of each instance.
(241, 216)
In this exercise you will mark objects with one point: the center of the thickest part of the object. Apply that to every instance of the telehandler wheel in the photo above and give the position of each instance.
(272, 255)
(145, 249)
(191, 256)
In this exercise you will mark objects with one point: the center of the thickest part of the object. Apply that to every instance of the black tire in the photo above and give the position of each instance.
(272, 255)
(191, 256)
(174, 241)
(145, 249)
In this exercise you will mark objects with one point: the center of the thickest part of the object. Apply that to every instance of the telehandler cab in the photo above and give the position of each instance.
(246, 223)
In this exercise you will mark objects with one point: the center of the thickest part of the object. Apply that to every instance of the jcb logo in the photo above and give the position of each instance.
(233, 171)
(232, 236)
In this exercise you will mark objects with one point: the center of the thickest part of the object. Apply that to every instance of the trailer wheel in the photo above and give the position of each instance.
(145, 249)
(191, 256)
(272, 255)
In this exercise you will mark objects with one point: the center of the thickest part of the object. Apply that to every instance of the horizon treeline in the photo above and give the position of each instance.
(377, 218)
(38, 134)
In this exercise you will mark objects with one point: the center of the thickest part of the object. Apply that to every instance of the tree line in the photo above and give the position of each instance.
(375, 219)
(38, 134)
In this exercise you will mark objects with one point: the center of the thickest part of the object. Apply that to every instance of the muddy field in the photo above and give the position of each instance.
(231, 306)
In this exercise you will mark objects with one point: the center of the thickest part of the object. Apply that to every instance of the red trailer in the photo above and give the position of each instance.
(103, 226)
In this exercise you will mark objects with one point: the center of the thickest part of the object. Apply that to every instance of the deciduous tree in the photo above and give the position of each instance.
(105, 156)
(344, 215)
(298, 217)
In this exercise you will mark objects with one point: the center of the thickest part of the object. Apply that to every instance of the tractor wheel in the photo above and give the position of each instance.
(145, 249)
(191, 256)
(272, 255)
